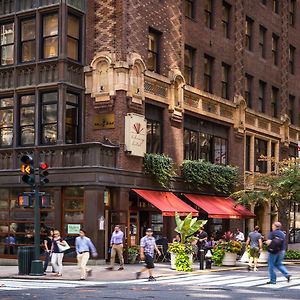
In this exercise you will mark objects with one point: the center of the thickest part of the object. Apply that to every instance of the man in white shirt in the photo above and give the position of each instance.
(239, 236)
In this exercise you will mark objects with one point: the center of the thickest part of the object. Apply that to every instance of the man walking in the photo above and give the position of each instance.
(255, 242)
(276, 248)
(148, 246)
(116, 244)
(84, 246)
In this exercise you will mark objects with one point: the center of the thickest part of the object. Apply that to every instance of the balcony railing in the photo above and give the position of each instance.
(59, 156)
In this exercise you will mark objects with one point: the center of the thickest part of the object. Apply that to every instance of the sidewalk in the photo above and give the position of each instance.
(71, 272)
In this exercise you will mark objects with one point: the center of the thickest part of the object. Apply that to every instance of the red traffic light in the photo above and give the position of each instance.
(44, 166)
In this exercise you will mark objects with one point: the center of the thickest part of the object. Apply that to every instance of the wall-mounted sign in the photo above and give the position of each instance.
(104, 121)
(135, 134)
(74, 228)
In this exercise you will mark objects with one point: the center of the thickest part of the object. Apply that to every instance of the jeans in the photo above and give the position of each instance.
(275, 261)
(47, 260)
(56, 262)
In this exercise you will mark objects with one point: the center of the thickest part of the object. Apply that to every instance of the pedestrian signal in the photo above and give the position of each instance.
(24, 201)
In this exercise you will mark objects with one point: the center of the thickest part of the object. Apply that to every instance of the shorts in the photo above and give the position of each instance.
(254, 252)
(149, 261)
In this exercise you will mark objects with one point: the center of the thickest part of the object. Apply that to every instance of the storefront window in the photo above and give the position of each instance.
(157, 225)
(6, 121)
(27, 120)
(294, 236)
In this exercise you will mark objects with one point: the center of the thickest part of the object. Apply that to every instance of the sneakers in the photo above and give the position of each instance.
(271, 282)
(249, 268)
(109, 268)
(82, 278)
(288, 278)
(138, 275)
(151, 278)
(120, 269)
(89, 273)
(255, 269)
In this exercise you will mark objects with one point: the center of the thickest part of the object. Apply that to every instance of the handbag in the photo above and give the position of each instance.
(63, 248)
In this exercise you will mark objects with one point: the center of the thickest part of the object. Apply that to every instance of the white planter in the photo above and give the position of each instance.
(173, 260)
(263, 257)
(229, 259)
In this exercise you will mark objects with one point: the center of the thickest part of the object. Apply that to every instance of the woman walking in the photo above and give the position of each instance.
(57, 255)
(48, 246)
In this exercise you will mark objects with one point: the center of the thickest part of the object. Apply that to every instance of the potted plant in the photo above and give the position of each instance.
(132, 254)
(182, 252)
(225, 253)
(264, 254)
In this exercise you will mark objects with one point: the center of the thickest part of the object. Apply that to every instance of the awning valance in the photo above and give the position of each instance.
(166, 202)
(220, 207)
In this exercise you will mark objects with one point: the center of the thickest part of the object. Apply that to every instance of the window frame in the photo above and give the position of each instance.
(262, 41)
(274, 101)
(78, 40)
(225, 80)
(259, 145)
(22, 42)
(10, 44)
(208, 83)
(226, 21)
(291, 108)
(275, 45)
(156, 52)
(275, 6)
(292, 56)
(44, 37)
(189, 5)
(11, 127)
(77, 106)
(248, 92)
(189, 68)
(292, 12)
(249, 34)
(262, 96)
(208, 13)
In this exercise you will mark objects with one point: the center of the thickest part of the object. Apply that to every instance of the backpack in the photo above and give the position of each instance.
(276, 245)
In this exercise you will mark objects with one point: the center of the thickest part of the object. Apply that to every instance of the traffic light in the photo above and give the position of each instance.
(24, 200)
(27, 168)
(43, 173)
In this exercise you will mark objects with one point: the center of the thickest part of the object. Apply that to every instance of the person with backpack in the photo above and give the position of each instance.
(276, 249)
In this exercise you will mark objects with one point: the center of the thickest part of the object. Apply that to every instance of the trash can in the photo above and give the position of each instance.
(25, 257)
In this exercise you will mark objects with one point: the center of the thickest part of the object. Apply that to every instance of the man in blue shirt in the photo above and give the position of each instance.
(84, 246)
(276, 258)
(116, 244)
(148, 245)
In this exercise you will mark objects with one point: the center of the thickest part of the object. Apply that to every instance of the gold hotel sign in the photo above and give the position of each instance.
(104, 121)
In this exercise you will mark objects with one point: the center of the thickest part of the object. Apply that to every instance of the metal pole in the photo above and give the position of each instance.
(201, 259)
(37, 227)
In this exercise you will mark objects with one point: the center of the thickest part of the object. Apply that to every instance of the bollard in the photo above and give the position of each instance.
(208, 260)
(201, 259)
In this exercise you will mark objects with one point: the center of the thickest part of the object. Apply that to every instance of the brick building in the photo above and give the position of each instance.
(213, 80)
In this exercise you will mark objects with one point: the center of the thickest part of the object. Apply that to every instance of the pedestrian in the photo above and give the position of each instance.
(276, 248)
(116, 244)
(210, 243)
(202, 239)
(254, 241)
(57, 256)
(9, 244)
(84, 246)
(239, 236)
(177, 238)
(48, 245)
(147, 248)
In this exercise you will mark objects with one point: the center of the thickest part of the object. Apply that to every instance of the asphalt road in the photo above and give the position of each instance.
(225, 285)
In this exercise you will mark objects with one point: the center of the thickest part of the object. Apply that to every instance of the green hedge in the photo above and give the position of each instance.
(292, 254)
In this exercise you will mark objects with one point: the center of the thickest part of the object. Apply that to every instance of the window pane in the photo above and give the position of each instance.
(152, 43)
(72, 98)
(7, 34)
(28, 51)
(73, 26)
(49, 113)
(28, 99)
(49, 134)
(27, 135)
(151, 65)
(73, 48)
(6, 118)
(28, 30)
(50, 47)
(27, 115)
(6, 136)
(49, 97)
(7, 55)
(6, 102)
(50, 25)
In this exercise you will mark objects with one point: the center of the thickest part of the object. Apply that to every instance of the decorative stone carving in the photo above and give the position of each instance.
(284, 130)
(240, 114)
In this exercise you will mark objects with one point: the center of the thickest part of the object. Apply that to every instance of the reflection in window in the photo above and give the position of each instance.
(28, 40)
(248, 34)
(73, 37)
(71, 119)
(50, 36)
(225, 19)
(6, 121)
(248, 90)
(260, 149)
(26, 120)
(208, 10)
(7, 43)
(189, 8)
(189, 65)
(153, 51)
(208, 66)
(154, 137)
(49, 118)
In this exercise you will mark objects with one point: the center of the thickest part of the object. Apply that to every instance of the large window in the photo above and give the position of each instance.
(292, 10)
(208, 10)
(292, 108)
(49, 118)
(189, 65)
(274, 102)
(72, 117)
(28, 40)
(50, 36)
(208, 65)
(153, 51)
(6, 121)
(189, 8)
(275, 40)
(226, 19)
(262, 41)
(261, 96)
(7, 43)
(154, 116)
(292, 51)
(261, 149)
(225, 80)
(27, 120)
(248, 89)
(248, 32)
(73, 37)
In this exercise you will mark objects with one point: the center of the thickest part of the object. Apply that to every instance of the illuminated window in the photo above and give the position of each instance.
(28, 40)
(7, 32)
(50, 36)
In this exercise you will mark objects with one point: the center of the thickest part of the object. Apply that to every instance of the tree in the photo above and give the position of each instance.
(281, 188)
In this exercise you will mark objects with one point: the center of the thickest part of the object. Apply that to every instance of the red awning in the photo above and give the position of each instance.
(167, 203)
(220, 207)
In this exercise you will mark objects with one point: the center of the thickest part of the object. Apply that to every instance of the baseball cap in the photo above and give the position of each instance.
(149, 230)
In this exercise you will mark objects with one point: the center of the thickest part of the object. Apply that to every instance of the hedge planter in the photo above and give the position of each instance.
(263, 257)
(229, 259)
(173, 260)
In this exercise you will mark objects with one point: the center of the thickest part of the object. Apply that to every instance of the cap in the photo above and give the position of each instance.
(149, 230)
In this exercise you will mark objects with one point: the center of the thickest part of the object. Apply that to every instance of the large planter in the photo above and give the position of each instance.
(263, 257)
(229, 259)
(173, 260)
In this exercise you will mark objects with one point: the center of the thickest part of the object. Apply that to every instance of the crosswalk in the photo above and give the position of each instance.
(242, 281)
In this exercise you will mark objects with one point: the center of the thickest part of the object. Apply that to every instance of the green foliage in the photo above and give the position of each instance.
(292, 254)
(183, 262)
(221, 247)
(178, 248)
(187, 227)
(160, 166)
(199, 173)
